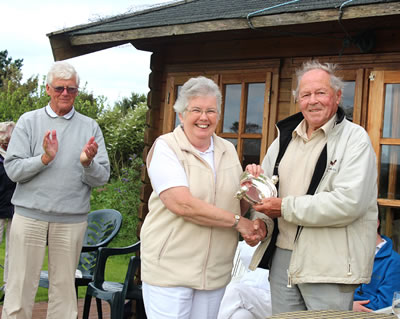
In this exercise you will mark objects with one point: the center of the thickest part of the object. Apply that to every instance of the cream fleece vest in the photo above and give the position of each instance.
(176, 252)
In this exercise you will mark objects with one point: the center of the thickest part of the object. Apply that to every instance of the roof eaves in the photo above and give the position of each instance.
(119, 17)
(263, 21)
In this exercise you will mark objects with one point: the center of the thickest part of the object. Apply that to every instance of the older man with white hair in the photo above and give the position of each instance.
(56, 155)
(326, 212)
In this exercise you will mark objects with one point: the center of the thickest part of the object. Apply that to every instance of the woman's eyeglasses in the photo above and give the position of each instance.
(198, 112)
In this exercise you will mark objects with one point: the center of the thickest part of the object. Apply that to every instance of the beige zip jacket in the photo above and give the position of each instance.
(175, 252)
(336, 240)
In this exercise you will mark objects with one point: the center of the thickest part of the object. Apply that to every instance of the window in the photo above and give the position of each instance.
(348, 99)
(245, 110)
(245, 114)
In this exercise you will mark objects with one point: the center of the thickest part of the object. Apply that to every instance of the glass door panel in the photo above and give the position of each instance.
(233, 93)
(390, 224)
(391, 125)
(255, 107)
(251, 151)
(177, 120)
(348, 98)
(233, 141)
(383, 129)
(389, 172)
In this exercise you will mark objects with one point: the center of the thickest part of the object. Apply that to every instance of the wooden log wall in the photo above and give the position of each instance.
(282, 54)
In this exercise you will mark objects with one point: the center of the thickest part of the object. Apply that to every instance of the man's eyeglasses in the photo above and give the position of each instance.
(60, 89)
(198, 112)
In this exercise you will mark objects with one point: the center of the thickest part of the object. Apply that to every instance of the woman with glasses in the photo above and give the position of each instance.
(189, 237)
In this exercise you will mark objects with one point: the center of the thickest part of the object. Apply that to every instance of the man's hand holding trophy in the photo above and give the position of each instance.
(260, 191)
(254, 189)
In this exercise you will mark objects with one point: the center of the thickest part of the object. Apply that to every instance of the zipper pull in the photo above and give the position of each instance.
(349, 273)
(289, 283)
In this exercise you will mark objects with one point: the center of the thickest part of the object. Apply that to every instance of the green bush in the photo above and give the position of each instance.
(123, 194)
(89, 105)
(123, 134)
(16, 99)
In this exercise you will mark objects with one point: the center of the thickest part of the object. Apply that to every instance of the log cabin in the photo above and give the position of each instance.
(251, 49)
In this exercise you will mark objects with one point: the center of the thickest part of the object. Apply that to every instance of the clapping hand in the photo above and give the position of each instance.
(89, 152)
(50, 146)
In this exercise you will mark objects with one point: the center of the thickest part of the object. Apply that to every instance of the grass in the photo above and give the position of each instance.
(123, 194)
(115, 271)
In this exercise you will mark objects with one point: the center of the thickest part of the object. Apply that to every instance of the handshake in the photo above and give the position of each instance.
(260, 192)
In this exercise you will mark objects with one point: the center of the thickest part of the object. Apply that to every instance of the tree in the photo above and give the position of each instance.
(130, 103)
(89, 105)
(9, 69)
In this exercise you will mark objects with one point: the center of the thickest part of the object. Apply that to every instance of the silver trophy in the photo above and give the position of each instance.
(254, 189)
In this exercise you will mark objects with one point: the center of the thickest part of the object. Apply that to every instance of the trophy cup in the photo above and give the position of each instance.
(254, 189)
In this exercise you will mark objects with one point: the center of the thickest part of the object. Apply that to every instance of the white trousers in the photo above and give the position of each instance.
(28, 241)
(3, 222)
(242, 301)
(181, 302)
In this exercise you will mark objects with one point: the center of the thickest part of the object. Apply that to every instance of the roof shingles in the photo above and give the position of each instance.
(208, 10)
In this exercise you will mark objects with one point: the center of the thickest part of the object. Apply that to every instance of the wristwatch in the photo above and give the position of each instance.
(237, 218)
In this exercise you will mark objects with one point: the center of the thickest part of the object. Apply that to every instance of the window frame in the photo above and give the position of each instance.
(268, 75)
(378, 80)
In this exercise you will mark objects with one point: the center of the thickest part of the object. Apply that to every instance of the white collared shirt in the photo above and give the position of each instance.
(166, 171)
(53, 114)
(380, 245)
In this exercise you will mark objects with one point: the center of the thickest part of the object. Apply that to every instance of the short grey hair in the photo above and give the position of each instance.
(62, 70)
(337, 83)
(195, 87)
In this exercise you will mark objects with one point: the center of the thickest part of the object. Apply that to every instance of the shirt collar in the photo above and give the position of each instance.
(380, 245)
(53, 114)
(210, 148)
(301, 129)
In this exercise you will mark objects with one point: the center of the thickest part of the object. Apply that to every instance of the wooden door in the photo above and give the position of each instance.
(384, 129)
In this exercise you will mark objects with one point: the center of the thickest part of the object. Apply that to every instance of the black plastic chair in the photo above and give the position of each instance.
(103, 226)
(115, 293)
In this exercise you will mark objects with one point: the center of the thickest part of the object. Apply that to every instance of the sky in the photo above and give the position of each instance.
(114, 73)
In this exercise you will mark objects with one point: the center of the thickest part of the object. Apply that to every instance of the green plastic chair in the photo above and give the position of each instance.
(103, 226)
(115, 293)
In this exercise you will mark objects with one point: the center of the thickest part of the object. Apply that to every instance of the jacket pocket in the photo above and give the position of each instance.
(320, 255)
(164, 245)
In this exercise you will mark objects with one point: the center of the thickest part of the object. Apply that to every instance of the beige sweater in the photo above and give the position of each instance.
(176, 252)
